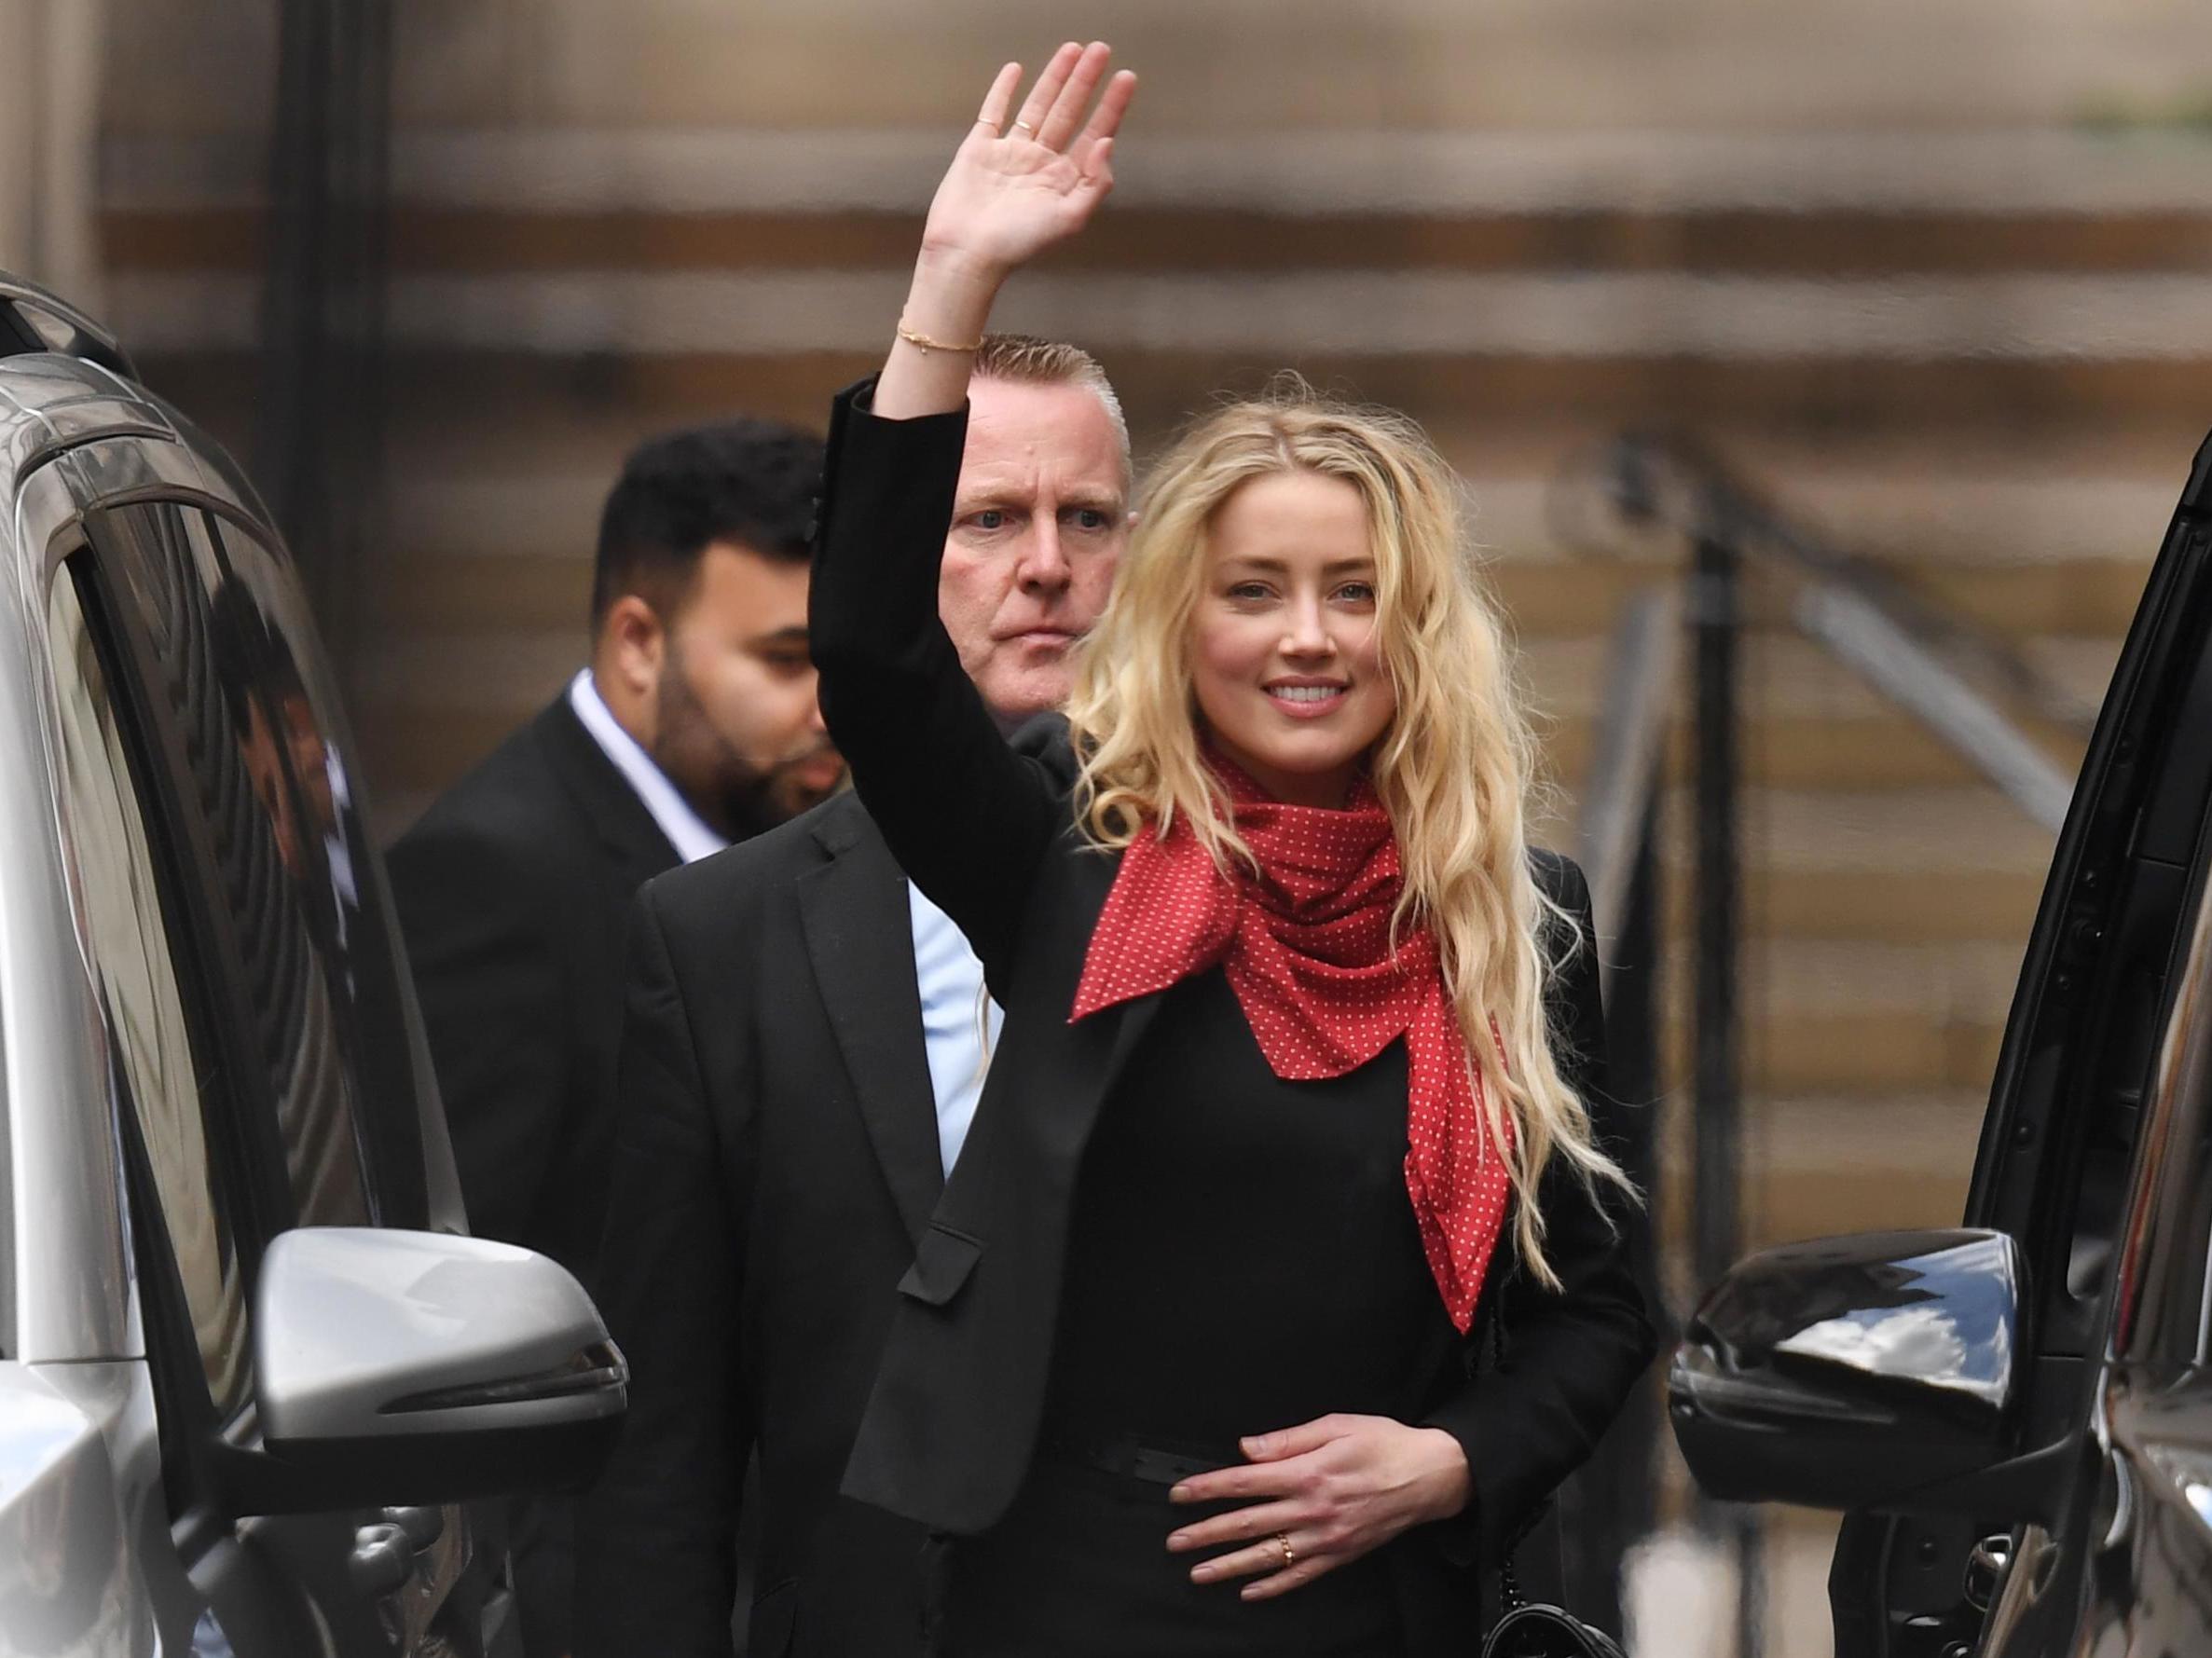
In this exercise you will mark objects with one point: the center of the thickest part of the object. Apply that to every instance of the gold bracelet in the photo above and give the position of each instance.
(914, 336)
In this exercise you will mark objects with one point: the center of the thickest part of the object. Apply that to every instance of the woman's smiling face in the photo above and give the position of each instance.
(1286, 664)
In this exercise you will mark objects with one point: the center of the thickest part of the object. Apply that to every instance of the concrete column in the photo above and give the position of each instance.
(49, 144)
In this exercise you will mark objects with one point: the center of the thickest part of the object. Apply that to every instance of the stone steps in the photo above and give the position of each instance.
(2026, 321)
(534, 484)
(1834, 243)
(441, 581)
(1988, 373)
(416, 740)
(1808, 724)
(1851, 1018)
(1817, 1165)
(2142, 418)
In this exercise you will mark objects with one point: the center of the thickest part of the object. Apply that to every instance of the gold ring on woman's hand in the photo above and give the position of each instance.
(1026, 127)
(1289, 1553)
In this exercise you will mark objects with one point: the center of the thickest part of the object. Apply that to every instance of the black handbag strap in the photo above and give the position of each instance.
(1557, 1630)
(1508, 1580)
(1509, 1592)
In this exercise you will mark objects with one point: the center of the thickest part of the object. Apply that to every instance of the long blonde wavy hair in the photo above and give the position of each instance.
(1453, 769)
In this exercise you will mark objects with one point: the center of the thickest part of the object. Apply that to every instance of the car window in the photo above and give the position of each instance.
(215, 667)
(134, 963)
(339, 876)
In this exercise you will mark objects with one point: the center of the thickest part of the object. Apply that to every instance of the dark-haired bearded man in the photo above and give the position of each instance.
(693, 727)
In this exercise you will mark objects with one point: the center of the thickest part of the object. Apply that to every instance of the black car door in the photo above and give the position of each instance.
(2067, 1107)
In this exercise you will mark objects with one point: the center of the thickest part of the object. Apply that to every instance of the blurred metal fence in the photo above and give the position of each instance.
(1614, 1500)
(1948, 673)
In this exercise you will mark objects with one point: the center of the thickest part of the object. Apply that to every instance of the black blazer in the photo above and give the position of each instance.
(513, 891)
(952, 1420)
(776, 1161)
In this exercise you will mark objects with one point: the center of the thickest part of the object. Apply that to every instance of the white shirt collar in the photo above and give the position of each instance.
(687, 831)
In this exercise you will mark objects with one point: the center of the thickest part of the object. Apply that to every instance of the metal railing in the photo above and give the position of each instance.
(1618, 799)
(1949, 674)
(1614, 1498)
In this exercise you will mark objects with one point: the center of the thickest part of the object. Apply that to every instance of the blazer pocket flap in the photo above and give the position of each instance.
(940, 1265)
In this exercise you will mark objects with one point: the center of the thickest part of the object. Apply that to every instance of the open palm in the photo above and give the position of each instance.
(1012, 191)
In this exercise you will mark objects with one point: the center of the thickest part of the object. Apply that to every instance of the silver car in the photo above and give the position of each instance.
(252, 1370)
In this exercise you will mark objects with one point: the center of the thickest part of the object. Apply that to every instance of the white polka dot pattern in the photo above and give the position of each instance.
(1305, 946)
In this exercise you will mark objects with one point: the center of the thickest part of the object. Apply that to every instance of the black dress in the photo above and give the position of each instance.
(1243, 1257)
(1148, 1231)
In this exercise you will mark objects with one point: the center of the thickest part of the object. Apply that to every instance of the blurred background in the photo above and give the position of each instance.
(1914, 296)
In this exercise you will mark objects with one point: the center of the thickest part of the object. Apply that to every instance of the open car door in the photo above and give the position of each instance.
(1950, 1390)
(2080, 1049)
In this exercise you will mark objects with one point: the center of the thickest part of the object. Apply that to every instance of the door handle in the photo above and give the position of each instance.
(382, 1561)
(1986, 1568)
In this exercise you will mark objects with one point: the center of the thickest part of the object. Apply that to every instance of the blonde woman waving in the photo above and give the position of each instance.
(1289, 1107)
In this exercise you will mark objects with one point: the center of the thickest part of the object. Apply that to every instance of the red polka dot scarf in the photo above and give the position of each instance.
(1306, 947)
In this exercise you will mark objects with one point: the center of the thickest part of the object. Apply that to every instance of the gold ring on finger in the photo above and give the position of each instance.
(1289, 1553)
(1026, 127)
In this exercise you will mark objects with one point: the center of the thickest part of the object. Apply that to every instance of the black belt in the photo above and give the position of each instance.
(1130, 1456)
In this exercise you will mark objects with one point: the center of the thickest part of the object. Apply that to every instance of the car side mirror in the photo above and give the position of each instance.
(396, 1367)
(1879, 1371)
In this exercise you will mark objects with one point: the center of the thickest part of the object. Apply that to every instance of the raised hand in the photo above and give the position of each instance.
(1014, 189)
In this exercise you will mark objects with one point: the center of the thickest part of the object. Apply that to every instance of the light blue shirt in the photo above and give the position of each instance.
(953, 1008)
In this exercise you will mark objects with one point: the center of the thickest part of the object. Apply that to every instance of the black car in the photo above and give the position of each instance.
(2018, 1414)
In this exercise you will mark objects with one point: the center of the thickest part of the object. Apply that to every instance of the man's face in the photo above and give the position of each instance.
(310, 759)
(264, 769)
(736, 727)
(1040, 521)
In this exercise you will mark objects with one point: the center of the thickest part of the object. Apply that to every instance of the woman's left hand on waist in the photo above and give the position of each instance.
(1318, 1496)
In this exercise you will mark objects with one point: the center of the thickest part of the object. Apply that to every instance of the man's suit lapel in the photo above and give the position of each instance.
(635, 846)
(1060, 1107)
(859, 936)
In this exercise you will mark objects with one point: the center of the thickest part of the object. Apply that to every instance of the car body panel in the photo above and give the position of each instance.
(71, 1293)
(50, 402)
(2150, 1591)
(65, 1589)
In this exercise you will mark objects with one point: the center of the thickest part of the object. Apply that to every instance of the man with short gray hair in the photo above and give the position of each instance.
(805, 1043)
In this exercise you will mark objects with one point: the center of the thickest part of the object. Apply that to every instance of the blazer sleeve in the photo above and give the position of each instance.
(479, 916)
(656, 1538)
(1571, 1355)
(967, 817)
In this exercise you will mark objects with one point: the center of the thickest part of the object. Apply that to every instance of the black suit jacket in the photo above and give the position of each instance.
(776, 1161)
(513, 891)
(952, 1420)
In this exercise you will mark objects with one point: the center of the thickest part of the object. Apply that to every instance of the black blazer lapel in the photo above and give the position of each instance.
(953, 1457)
(628, 832)
(1062, 1071)
(1055, 1122)
(858, 932)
